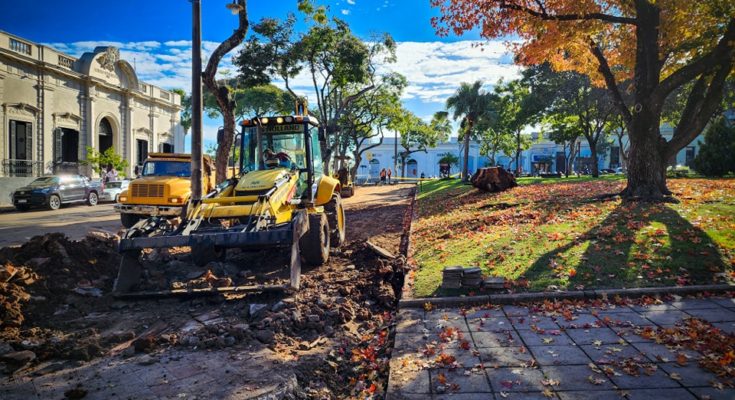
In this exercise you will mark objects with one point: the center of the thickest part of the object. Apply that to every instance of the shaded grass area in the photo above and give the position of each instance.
(571, 234)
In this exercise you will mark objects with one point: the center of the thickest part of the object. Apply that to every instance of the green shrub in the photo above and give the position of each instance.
(717, 154)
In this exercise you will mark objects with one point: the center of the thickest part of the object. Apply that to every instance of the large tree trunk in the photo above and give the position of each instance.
(465, 162)
(222, 93)
(595, 166)
(646, 162)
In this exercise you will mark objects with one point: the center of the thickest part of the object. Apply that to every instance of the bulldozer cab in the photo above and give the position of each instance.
(289, 142)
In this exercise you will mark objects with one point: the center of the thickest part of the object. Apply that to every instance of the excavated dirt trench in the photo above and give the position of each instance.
(334, 335)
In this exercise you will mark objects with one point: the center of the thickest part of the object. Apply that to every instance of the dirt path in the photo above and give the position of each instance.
(329, 340)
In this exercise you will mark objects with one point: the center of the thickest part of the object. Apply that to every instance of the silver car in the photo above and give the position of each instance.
(113, 190)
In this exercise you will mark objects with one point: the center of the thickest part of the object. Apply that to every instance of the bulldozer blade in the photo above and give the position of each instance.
(129, 273)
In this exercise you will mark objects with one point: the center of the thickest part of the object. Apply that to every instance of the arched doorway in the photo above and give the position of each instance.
(105, 135)
(412, 169)
(374, 168)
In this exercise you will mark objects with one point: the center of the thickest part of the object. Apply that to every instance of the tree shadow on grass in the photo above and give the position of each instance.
(624, 250)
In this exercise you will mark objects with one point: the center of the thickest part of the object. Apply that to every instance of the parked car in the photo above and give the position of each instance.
(607, 171)
(113, 189)
(53, 191)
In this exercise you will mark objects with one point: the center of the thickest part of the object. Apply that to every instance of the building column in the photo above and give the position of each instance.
(48, 127)
(129, 133)
(153, 146)
(3, 123)
(86, 136)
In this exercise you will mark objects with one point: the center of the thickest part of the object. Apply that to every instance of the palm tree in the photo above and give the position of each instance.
(467, 103)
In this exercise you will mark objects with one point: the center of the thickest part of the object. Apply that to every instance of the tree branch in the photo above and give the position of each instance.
(701, 66)
(568, 17)
(611, 84)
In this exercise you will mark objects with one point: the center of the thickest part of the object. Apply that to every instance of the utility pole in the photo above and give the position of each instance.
(395, 154)
(196, 101)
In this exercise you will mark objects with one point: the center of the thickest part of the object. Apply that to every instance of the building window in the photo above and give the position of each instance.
(20, 47)
(165, 95)
(143, 87)
(690, 156)
(614, 157)
(66, 62)
(105, 135)
(167, 148)
(142, 154)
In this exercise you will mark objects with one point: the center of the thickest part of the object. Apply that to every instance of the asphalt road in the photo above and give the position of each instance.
(74, 220)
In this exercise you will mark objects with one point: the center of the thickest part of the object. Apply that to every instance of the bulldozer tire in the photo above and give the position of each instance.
(349, 191)
(128, 220)
(336, 217)
(314, 244)
(203, 254)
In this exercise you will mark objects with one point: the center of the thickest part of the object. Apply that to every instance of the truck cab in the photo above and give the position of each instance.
(163, 189)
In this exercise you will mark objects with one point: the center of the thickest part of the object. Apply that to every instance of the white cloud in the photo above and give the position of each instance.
(434, 70)
(351, 2)
(345, 12)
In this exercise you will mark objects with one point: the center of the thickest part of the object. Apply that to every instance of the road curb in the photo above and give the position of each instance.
(407, 246)
(517, 298)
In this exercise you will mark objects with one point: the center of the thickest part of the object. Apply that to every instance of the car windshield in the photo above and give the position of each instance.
(113, 185)
(167, 168)
(45, 181)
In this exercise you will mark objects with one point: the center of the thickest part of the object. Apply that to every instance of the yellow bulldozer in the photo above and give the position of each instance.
(281, 198)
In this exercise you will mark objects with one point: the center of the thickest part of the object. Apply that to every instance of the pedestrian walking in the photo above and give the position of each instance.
(382, 176)
(389, 173)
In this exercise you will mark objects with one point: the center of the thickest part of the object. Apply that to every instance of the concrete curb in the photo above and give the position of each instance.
(407, 246)
(564, 295)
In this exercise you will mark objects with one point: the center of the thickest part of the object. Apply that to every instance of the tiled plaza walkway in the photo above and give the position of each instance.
(556, 350)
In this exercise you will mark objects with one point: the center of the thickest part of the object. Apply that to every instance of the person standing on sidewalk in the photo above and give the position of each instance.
(382, 176)
(389, 173)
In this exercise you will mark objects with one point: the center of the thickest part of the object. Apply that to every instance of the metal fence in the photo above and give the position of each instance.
(22, 168)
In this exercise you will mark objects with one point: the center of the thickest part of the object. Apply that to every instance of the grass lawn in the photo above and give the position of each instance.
(558, 234)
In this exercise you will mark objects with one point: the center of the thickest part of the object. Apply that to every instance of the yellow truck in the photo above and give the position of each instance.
(163, 188)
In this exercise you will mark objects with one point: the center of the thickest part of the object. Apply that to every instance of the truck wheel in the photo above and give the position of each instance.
(92, 199)
(314, 244)
(203, 254)
(336, 217)
(54, 202)
(128, 220)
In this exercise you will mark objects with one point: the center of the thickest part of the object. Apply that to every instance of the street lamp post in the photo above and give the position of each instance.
(196, 101)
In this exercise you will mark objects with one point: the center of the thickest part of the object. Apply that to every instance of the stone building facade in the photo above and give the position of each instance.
(53, 106)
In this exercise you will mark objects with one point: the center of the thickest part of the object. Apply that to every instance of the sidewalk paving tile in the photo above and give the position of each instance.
(628, 333)
(515, 379)
(522, 396)
(487, 312)
(515, 311)
(489, 324)
(528, 322)
(587, 394)
(725, 302)
(661, 353)
(728, 327)
(714, 315)
(463, 396)
(576, 377)
(612, 309)
(658, 380)
(466, 358)
(437, 325)
(414, 342)
(713, 394)
(505, 356)
(667, 317)
(531, 338)
(504, 338)
(626, 319)
(611, 353)
(402, 381)
(461, 380)
(653, 307)
(559, 355)
(410, 321)
(691, 374)
(589, 336)
(580, 321)
(695, 304)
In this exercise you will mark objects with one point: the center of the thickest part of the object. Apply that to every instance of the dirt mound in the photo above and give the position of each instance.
(36, 279)
(493, 179)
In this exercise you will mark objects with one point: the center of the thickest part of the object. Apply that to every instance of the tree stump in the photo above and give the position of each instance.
(493, 179)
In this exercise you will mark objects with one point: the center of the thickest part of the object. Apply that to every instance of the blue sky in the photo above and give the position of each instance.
(155, 36)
